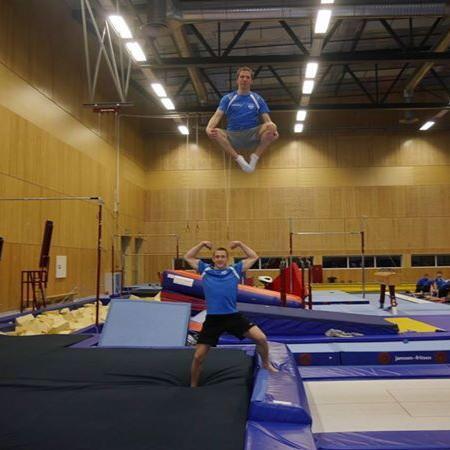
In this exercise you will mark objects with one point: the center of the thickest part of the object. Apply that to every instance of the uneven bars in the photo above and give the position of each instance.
(318, 233)
(325, 232)
(15, 199)
(100, 204)
(144, 254)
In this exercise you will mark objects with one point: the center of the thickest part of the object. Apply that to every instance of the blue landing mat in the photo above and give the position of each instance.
(440, 321)
(404, 308)
(410, 371)
(337, 298)
(384, 440)
(277, 320)
(139, 323)
(228, 339)
(278, 436)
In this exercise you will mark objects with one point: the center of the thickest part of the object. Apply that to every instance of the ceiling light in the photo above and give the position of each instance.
(327, 2)
(120, 27)
(159, 90)
(168, 104)
(427, 125)
(136, 51)
(322, 21)
(183, 129)
(301, 115)
(311, 69)
(298, 128)
(308, 86)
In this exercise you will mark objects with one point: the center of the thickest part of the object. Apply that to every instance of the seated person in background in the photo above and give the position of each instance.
(424, 283)
(437, 284)
(444, 289)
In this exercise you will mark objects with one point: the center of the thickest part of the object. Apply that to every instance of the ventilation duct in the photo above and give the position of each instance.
(156, 19)
(408, 115)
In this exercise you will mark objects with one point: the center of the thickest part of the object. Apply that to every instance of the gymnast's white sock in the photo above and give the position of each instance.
(254, 158)
(243, 164)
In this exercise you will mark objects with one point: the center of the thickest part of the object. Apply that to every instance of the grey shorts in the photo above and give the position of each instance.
(244, 139)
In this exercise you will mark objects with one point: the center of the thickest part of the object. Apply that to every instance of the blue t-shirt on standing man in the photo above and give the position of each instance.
(220, 287)
(243, 111)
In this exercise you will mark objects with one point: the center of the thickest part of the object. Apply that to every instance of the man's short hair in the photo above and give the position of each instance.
(223, 249)
(244, 69)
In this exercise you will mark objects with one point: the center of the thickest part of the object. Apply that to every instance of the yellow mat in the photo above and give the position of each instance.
(406, 324)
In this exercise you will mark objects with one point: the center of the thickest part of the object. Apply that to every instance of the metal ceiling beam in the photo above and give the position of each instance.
(185, 51)
(104, 7)
(419, 74)
(182, 86)
(331, 32)
(256, 72)
(339, 83)
(358, 82)
(397, 78)
(213, 86)
(330, 58)
(294, 37)
(337, 107)
(324, 75)
(358, 35)
(236, 38)
(441, 82)
(393, 34)
(430, 32)
(200, 37)
(199, 11)
(283, 84)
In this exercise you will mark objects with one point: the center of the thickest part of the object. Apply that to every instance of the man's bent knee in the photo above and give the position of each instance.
(217, 135)
(269, 136)
(198, 359)
(271, 127)
(260, 340)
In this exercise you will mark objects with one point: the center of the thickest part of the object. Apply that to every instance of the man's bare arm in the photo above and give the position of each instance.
(266, 119)
(214, 121)
(251, 255)
(191, 255)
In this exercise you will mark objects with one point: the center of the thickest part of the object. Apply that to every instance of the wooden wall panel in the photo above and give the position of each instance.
(51, 146)
(395, 185)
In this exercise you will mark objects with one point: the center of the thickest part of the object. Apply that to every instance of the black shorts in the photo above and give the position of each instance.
(217, 324)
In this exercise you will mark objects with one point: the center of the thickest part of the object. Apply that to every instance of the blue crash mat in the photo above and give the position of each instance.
(384, 440)
(278, 436)
(335, 373)
(140, 323)
(277, 320)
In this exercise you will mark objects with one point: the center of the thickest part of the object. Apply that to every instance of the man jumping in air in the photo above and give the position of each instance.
(244, 110)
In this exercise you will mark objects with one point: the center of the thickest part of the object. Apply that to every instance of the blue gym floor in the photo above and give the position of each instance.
(405, 308)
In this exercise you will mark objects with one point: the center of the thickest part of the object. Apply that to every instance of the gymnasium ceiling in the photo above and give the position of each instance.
(377, 55)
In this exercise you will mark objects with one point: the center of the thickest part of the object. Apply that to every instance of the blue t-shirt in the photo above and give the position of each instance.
(243, 111)
(439, 282)
(425, 282)
(220, 287)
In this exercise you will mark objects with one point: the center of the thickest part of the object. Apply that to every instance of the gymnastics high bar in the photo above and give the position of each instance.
(100, 204)
(318, 233)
